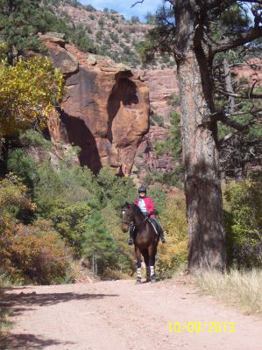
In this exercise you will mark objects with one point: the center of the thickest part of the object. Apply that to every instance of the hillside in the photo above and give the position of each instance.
(109, 32)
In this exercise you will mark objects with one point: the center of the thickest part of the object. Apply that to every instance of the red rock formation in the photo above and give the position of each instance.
(162, 86)
(105, 110)
(251, 71)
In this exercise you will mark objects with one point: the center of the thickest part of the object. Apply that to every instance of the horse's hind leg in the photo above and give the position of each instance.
(138, 265)
(152, 254)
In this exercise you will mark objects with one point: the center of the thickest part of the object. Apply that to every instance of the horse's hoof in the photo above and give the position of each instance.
(138, 281)
(153, 279)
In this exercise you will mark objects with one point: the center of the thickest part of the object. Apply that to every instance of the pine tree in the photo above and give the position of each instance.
(19, 25)
(191, 30)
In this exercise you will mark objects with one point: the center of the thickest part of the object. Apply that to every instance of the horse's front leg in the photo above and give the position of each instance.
(146, 259)
(152, 255)
(138, 265)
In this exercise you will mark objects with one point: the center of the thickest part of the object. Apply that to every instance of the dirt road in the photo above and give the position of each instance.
(121, 315)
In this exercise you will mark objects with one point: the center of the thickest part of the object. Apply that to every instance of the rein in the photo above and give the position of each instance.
(136, 211)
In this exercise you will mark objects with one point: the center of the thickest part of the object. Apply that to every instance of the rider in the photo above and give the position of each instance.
(147, 207)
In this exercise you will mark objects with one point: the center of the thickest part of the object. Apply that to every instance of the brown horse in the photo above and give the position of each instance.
(145, 241)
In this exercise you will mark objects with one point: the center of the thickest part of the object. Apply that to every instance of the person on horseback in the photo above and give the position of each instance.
(147, 207)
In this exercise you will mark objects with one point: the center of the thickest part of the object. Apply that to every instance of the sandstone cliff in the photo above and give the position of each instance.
(105, 110)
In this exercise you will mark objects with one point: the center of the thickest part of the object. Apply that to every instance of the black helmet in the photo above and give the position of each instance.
(142, 189)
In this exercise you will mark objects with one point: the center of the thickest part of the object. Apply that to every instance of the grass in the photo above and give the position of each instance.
(5, 324)
(238, 288)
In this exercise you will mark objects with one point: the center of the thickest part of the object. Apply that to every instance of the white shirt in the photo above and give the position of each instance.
(142, 205)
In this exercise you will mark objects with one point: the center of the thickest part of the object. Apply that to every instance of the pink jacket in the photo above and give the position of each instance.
(150, 206)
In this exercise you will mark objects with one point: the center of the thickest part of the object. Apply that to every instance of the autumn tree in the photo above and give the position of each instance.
(28, 94)
(192, 31)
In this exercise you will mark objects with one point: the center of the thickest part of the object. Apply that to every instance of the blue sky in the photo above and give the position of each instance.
(124, 6)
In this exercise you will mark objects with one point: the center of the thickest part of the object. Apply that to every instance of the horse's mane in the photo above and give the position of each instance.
(136, 209)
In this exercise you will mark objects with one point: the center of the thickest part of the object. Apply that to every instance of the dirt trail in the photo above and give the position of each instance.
(121, 315)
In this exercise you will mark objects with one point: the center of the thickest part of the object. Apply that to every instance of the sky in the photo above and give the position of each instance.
(124, 6)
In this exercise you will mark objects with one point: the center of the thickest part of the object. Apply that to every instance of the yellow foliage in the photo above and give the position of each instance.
(28, 92)
(13, 196)
(174, 253)
(33, 253)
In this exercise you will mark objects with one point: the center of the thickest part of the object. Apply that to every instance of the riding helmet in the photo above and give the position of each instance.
(142, 189)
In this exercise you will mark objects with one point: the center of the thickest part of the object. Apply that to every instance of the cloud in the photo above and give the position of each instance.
(124, 7)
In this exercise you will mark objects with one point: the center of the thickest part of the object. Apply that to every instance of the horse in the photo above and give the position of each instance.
(145, 240)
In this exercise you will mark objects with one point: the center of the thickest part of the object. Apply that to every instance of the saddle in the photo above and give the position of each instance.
(154, 225)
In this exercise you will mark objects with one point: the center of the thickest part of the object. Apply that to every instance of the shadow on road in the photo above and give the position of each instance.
(28, 342)
(19, 302)
(15, 304)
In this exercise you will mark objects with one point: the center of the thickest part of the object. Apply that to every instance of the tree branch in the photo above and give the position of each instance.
(243, 38)
(250, 95)
(137, 2)
(224, 118)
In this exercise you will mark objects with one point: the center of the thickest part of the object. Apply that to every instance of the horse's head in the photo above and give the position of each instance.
(127, 216)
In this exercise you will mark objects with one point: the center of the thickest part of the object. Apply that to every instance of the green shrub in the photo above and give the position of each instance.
(80, 38)
(115, 190)
(90, 8)
(243, 218)
(112, 222)
(99, 35)
(99, 246)
(173, 143)
(170, 178)
(157, 120)
(70, 222)
(114, 37)
(101, 22)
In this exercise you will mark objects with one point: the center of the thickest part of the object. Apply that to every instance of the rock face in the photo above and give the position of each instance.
(147, 161)
(105, 110)
(251, 71)
(162, 84)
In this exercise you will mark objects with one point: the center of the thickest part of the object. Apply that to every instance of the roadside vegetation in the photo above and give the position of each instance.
(239, 288)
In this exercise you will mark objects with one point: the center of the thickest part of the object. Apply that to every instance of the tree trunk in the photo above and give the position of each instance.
(200, 154)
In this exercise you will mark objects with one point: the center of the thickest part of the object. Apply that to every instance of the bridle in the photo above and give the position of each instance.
(131, 221)
(125, 222)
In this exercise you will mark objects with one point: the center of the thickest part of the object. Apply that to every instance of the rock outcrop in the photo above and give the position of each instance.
(250, 70)
(105, 110)
(162, 84)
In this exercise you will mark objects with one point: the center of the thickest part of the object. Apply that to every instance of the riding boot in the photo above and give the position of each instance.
(162, 235)
(160, 231)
